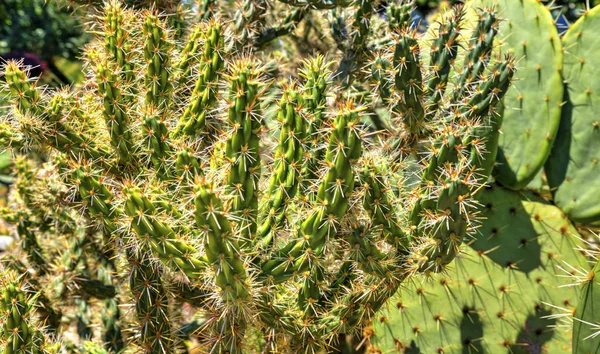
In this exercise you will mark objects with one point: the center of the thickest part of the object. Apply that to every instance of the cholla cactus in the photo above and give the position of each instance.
(297, 228)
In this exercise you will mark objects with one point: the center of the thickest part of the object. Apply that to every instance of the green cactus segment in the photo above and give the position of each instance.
(203, 98)
(187, 166)
(220, 244)
(477, 56)
(151, 306)
(377, 203)
(117, 39)
(23, 91)
(444, 49)
(572, 168)
(585, 321)
(344, 147)
(495, 299)
(458, 167)
(444, 223)
(224, 256)
(96, 196)
(408, 83)
(356, 48)
(157, 52)
(48, 127)
(158, 85)
(9, 137)
(17, 333)
(482, 107)
(115, 112)
(158, 236)
(316, 75)
(532, 106)
(287, 168)
(399, 15)
(206, 9)
(242, 147)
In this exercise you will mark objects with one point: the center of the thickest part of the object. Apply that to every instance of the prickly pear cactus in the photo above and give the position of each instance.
(497, 298)
(531, 113)
(586, 324)
(573, 169)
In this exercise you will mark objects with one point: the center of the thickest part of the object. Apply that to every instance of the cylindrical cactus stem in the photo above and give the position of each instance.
(481, 107)
(9, 137)
(157, 53)
(445, 224)
(444, 49)
(220, 244)
(204, 95)
(460, 162)
(407, 91)
(316, 77)
(45, 123)
(23, 90)
(287, 25)
(187, 167)
(248, 21)
(111, 315)
(18, 333)
(477, 56)
(242, 146)
(359, 305)
(117, 39)
(156, 236)
(96, 197)
(399, 15)
(47, 310)
(226, 258)
(287, 167)
(206, 9)
(357, 49)
(115, 111)
(377, 203)
(344, 147)
(151, 305)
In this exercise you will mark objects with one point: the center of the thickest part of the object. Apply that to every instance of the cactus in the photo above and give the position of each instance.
(532, 106)
(281, 241)
(573, 161)
(585, 321)
(19, 333)
(499, 297)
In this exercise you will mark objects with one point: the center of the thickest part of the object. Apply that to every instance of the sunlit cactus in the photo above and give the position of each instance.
(204, 190)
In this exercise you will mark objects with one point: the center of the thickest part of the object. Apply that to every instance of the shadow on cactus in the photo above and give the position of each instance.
(170, 181)
(501, 295)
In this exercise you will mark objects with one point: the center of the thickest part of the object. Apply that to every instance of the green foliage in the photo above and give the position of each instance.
(36, 27)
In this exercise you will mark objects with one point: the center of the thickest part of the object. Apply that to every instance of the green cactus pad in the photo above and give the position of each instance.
(573, 169)
(533, 104)
(585, 323)
(493, 300)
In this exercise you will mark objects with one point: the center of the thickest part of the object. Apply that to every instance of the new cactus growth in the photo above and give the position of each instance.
(174, 185)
